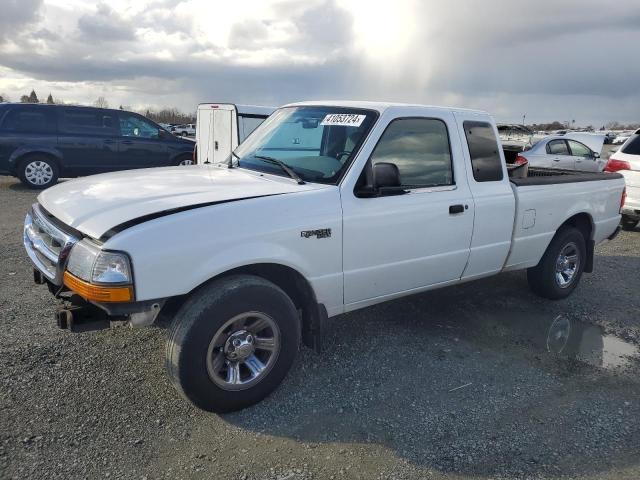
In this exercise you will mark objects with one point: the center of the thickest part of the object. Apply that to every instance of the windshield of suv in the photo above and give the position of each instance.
(317, 143)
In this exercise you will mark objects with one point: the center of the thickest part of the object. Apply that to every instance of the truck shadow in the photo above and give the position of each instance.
(481, 379)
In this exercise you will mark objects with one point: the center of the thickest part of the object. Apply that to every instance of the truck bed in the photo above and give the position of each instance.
(542, 207)
(550, 176)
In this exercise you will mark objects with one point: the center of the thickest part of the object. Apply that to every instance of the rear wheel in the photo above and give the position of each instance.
(38, 172)
(629, 223)
(561, 266)
(232, 343)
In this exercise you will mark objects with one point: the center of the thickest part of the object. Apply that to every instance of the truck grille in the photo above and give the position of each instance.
(47, 245)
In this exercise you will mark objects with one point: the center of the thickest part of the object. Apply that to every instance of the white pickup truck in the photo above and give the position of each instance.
(327, 207)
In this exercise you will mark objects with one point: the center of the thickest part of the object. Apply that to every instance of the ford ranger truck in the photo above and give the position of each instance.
(326, 208)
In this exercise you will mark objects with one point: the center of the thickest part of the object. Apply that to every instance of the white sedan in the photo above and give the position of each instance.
(563, 153)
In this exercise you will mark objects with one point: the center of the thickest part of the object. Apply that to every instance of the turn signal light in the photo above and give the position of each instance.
(98, 293)
(623, 198)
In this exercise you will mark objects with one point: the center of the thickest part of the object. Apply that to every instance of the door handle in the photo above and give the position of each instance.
(215, 145)
(127, 142)
(108, 141)
(556, 159)
(453, 209)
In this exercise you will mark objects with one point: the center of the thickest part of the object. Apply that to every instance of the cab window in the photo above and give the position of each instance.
(419, 147)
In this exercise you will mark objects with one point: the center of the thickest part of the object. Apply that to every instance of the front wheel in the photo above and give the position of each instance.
(629, 223)
(561, 266)
(232, 343)
(184, 161)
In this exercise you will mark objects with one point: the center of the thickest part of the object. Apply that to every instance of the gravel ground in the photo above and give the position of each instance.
(455, 384)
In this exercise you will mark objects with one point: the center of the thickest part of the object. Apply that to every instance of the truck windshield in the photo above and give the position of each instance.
(317, 143)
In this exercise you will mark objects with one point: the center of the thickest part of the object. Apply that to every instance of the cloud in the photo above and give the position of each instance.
(550, 59)
(15, 14)
(105, 25)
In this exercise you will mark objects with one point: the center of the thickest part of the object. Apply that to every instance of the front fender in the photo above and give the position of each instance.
(175, 254)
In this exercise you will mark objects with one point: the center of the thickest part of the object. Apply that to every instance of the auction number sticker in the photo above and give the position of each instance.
(344, 119)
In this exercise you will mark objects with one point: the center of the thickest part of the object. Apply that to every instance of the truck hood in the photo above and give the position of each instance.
(97, 204)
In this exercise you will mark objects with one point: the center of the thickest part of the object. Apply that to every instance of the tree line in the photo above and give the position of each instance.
(164, 115)
(556, 125)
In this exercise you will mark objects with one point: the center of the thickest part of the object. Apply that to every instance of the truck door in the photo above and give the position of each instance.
(204, 133)
(401, 242)
(223, 133)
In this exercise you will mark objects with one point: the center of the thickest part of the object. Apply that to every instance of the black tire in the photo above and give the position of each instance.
(542, 278)
(205, 313)
(48, 167)
(179, 160)
(629, 223)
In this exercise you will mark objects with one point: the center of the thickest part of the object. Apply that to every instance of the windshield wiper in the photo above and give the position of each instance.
(230, 163)
(288, 170)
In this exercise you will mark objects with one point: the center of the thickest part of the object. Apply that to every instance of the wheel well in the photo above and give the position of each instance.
(313, 316)
(291, 281)
(26, 156)
(583, 222)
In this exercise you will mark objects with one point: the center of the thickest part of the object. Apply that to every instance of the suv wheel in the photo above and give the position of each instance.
(561, 266)
(184, 161)
(232, 343)
(38, 172)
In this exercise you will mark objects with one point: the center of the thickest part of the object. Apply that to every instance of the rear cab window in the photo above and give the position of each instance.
(248, 123)
(484, 151)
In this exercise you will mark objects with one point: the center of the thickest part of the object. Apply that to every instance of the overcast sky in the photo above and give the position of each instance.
(553, 60)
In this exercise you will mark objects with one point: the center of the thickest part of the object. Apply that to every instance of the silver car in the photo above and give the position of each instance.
(563, 153)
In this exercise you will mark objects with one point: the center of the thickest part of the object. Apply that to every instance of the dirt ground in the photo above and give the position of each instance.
(460, 383)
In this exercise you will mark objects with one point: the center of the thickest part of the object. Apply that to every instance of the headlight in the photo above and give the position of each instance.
(88, 262)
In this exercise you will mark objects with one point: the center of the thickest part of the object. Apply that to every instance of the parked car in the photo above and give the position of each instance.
(621, 137)
(563, 153)
(326, 208)
(186, 130)
(627, 162)
(40, 143)
(221, 127)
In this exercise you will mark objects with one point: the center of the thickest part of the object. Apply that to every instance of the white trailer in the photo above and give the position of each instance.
(221, 127)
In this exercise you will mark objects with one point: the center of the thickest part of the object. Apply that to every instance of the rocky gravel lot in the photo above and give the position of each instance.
(455, 383)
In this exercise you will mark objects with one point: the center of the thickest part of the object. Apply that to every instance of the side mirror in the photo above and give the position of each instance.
(596, 155)
(386, 175)
(386, 181)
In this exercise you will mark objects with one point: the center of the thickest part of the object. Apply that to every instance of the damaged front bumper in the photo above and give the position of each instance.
(77, 314)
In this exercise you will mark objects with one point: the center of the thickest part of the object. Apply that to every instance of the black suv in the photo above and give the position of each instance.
(39, 143)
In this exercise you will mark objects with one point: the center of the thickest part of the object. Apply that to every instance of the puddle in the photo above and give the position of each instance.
(589, 344)
(564, 337)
